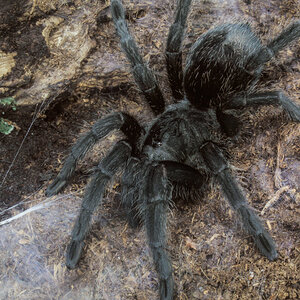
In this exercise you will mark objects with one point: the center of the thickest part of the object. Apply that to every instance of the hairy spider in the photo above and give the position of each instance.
(182, 148)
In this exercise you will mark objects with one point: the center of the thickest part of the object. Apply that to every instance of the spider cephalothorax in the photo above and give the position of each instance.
(183, 147)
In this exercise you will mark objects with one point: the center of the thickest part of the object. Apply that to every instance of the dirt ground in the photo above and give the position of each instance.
(212, 256)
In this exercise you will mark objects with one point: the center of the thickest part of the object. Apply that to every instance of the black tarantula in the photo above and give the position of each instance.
(182, 147)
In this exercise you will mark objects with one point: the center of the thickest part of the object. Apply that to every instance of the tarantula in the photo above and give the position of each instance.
(183, 146)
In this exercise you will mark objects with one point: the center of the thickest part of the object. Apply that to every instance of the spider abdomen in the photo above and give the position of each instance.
(215, 68)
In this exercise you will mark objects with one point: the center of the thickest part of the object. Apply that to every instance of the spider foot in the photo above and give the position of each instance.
(266, 245)
(294, 114)
(166, 288)
(55, 187)
(261, 237)
(74, 253)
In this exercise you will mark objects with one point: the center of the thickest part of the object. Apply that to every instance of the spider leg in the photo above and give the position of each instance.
(156, 194)
(130, 190)
(93, 197)
(173, 49)
(268, 98)
(291, 33)
(144, 77)
(216, 162)
(127, 124)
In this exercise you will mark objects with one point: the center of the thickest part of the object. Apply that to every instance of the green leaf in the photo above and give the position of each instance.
(5, 127)
(10, 101)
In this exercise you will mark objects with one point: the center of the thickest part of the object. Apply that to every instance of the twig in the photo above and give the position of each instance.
(275, 198)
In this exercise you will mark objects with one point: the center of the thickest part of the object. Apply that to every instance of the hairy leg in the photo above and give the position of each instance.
(156, 194)
(288, 35)
(130, 185)
(101, 128)
(267, 98)
(143, 75)
(93, 197)
(216, 162)
(173, 49)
